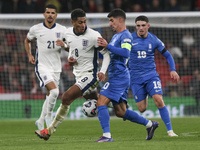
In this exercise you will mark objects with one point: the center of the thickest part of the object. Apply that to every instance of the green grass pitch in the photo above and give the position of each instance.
(80, 134)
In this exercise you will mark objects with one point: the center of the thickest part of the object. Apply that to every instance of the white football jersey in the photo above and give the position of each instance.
(84, 49)
(48, 54)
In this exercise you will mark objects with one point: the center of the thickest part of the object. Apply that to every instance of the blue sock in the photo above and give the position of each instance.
(104, 118)
(165, 117)
(135, 117)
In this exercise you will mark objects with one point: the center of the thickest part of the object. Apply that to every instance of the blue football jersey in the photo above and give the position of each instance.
(117, 66)
(116, 88)
(142, 62)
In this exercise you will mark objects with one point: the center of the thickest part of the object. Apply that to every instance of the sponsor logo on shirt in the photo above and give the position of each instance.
(134, 44)
(157, 90)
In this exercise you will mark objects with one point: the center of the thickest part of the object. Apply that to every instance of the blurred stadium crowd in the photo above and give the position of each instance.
(65, 6)
(17, 75)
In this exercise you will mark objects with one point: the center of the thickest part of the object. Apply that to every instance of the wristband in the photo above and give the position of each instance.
(65, 45)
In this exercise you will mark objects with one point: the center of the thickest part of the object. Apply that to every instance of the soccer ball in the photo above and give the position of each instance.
(89, 108)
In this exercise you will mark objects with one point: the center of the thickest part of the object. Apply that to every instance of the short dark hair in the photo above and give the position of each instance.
(142, 18)
(77, 13)
(51, 6)
(117, 13)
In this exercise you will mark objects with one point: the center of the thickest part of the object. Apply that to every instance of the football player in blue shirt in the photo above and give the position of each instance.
(116, 88)
(144, 78)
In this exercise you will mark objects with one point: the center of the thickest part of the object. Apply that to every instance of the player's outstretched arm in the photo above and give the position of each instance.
(119, 51)
(102, 42)
(173, 74)
(105, 63)
(27, 44)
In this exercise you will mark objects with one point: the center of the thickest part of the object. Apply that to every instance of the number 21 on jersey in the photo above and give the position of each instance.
(51, 44)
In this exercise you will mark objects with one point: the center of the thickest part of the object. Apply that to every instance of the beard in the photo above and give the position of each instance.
(142, 36)
(50, 20)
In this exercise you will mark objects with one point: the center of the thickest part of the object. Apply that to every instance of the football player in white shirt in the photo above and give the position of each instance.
(47, 60)
(83, 55)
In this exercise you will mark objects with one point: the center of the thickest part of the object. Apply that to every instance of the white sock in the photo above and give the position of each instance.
(52, 101)
(60, 116)
(44, 110)
(108, 134)
(149, 124)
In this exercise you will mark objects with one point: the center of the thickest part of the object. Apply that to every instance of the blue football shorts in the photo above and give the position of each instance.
(116, 90)
(149, 87)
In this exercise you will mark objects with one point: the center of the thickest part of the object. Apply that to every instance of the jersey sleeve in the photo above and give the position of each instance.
(124, 48)
(160, 45)
(170, 60)
(31, 33)
(101, 49)
(126, 42)
(96, 35)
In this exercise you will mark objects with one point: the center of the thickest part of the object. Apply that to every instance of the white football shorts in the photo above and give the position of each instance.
(87, 82)
(45, 77)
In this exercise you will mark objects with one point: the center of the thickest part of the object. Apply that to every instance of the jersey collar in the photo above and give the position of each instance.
(48, 27)
(80, 34)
